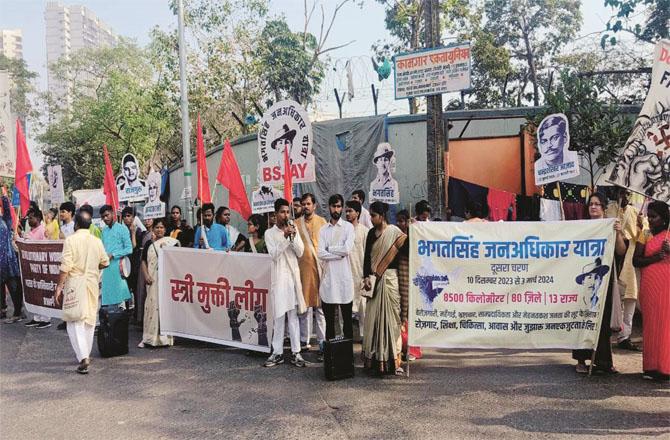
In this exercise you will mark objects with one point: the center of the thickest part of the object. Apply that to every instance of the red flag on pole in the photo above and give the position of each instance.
(229, 176)
(203, 176)
(288, 178)
(23, 167)
(109, 185)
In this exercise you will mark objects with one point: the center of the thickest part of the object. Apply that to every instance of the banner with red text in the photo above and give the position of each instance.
(40, 269)
(432, 71)
(509, 285)
(219, 297)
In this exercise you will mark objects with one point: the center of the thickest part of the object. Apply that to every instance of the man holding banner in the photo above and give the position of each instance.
(285, 247)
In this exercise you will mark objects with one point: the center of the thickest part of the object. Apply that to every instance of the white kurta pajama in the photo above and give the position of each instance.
(83, 254)
(335, 243)
(286, 290)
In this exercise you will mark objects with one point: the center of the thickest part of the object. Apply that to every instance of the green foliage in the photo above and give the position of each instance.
(290, 67)
(115, 101)
(598, 128)
(656, 23)
(22, 86)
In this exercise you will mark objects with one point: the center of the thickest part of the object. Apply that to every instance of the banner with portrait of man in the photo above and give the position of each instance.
(557, 162)
(285, 125)
(130, 186)
(56, 192)
(644, 164)
(154, 207)
(263, 198)
(384, 188)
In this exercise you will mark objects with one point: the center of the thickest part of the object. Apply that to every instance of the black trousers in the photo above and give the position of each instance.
(15, 291)
(330, 313)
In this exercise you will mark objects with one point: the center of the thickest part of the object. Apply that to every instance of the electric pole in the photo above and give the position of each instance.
(185, 123)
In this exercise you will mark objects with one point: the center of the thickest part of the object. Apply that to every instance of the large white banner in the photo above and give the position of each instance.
(509, 285)
(7, 135)
(219, 297)
(433, 71)
(285, 125)
(644, 164)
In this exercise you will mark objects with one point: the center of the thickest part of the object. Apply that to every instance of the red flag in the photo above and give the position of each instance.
(203, 176)
(288, 178)
(229, 176)
(109, 187)
(23, 167)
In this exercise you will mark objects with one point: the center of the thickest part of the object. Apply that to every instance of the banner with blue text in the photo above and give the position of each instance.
(509, 285)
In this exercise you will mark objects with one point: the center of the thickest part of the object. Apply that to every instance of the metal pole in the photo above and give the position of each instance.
(185, 125)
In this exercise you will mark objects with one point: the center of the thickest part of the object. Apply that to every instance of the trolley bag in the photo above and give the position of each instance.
(113, 331)
(338, 358)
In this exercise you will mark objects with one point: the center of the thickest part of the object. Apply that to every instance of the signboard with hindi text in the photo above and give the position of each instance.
(432, 71)
(40, 269)
(219, 297)
(523, 285)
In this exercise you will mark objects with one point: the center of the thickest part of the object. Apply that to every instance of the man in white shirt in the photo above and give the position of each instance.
(364, 219)
(66, 214)
(285, 247)
(336, 240)
(352, 212)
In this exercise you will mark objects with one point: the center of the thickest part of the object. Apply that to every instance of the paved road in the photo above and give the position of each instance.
(196, 390)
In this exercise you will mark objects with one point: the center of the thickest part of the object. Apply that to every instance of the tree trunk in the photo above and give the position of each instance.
(531, 68)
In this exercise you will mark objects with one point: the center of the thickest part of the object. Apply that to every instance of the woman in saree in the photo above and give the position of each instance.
(382, 344)
(652, 256)
(602, 362)
(151, 327)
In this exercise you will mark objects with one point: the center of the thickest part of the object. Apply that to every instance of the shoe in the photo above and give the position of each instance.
(604, 371)
(582, 369)
(62, 326)
(297, 360)
(13, 319)
(45, 324)
(82, 369)
(32, 323)
(274, 360)
(649, 375)
(304, 347)
(626, 344)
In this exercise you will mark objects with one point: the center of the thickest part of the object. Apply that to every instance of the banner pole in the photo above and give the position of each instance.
(560, 199)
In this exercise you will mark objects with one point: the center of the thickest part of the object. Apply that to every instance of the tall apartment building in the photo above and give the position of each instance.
(11, 43)
(68, 29)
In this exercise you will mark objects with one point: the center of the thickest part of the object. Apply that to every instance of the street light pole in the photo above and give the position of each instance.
(185, 125)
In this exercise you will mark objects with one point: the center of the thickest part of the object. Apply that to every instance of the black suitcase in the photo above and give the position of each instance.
(113, 332)
(338, 358)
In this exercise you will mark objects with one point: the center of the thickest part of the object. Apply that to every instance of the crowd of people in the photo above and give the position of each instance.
(354, 265)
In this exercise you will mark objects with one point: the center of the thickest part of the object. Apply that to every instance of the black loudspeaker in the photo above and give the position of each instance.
(338, 358)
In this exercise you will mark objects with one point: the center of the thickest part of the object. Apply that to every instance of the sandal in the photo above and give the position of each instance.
(605, 371)
(140, 345)
(582, 369)
(399, 371)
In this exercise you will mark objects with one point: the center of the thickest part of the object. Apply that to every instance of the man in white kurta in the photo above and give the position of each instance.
(83, 256)
(285, 247)
(352, 213)
(336, 240)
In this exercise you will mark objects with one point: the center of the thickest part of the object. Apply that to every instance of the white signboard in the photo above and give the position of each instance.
(384, 188)
(7, 135)
(644, 164)
(263, 198)
(131, 188)
(285, 125)
(154, 207)
(56, 193)
(553, 140)
(432, 72)
(230, 305)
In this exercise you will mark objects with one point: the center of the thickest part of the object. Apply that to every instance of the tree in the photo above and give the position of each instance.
(288, 60)
(597, 126)
(117, 101)
(656, 23)
(533, 31)
(22, 86)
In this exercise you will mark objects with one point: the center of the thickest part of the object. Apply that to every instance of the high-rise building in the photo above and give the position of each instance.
(11, 43)
(68, 29)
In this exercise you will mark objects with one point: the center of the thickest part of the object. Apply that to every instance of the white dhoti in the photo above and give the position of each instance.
(81, 338)
(306, 325)
(293, 331)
